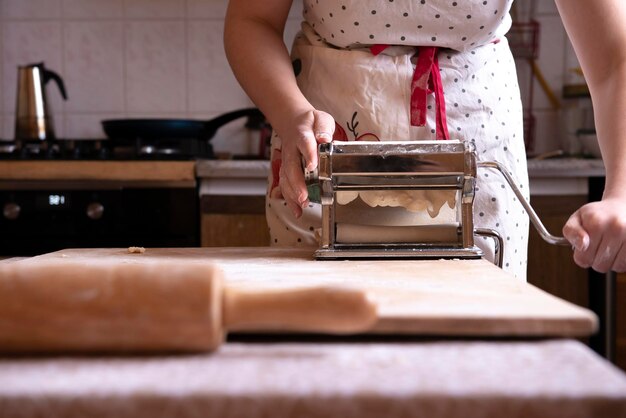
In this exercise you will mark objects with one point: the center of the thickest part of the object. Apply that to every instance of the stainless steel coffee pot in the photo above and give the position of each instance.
(33, 120)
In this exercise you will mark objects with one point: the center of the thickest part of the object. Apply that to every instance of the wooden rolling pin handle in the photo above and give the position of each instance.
(317, 309)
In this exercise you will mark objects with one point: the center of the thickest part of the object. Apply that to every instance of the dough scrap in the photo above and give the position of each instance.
(136, 250)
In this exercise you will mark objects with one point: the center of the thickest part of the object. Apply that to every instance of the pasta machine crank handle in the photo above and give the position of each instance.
(541, 229)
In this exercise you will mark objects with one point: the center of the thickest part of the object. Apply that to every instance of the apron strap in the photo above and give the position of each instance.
(426, 80)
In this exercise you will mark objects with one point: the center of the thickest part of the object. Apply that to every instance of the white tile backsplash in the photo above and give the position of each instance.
(93, 9)
(27, 42)
(87, 125)
(151, 9)
(31, 9)
(206, 9)
(545, 7)
(212, 85)
(94, 60)
(548, 130)
(155, 66)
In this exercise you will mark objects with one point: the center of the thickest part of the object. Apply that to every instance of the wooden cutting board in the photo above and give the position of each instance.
(417, 297)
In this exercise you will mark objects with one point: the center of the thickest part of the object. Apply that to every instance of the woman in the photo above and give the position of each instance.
(427, 69)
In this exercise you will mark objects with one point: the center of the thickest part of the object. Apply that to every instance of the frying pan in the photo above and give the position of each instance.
(127, 130)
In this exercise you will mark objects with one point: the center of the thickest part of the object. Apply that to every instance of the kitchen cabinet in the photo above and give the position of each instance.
(232, 203)
(233, 221)
(551, 267)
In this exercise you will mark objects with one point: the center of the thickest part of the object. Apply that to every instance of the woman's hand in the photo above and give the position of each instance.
(597, 231)
(299, 138)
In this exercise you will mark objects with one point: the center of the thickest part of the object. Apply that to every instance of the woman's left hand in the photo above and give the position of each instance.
(597, 232)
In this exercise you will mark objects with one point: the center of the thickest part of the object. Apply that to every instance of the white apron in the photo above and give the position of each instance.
(370, 93)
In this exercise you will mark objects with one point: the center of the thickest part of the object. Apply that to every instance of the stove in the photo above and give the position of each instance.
(54, 206)
(106, 149)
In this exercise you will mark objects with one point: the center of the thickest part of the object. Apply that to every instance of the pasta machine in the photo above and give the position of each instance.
(403, 200)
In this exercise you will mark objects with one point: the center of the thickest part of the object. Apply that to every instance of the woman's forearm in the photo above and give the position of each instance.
(609, 102)
(597, 30)
(256, 51)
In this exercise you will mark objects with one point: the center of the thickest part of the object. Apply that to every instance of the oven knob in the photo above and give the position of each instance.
(95, 210)
(11, 211)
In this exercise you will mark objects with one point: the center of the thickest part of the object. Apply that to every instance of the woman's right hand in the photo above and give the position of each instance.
(300, 137)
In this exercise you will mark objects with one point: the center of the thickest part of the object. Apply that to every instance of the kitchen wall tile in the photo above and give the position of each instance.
(88, 125)
(211, 83)
(551, 58)
(31, 9)
(216, 9)
(8, 126)
(548, 131)
(93, 9)
(546, 7)
(206, 9)
(149, 9)
(26, 43)
(94, 66)
(155, 66)
(524, 77)
(58, 119)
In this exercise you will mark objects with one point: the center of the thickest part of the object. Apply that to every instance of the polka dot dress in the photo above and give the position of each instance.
(369, 97)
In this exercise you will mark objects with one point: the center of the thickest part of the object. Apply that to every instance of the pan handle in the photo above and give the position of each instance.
(534, 218)
(211, 126)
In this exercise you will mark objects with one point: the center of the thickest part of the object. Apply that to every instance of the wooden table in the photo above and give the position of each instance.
(502, 374)
(437, 379)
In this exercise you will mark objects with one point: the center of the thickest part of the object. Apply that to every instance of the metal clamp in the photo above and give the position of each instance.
(498, 241)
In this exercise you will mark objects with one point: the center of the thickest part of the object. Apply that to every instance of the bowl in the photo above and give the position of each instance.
(589, 142)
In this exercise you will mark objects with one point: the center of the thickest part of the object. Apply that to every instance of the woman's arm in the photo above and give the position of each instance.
(253, 39)
(597, 29)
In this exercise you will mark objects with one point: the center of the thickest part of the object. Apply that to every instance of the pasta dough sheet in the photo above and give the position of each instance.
(359, 212)
(413, 200)
(371, 234)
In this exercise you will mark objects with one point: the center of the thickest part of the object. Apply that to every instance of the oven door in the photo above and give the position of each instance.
(51, 217)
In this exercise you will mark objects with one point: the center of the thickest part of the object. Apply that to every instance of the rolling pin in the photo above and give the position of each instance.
(68, 306)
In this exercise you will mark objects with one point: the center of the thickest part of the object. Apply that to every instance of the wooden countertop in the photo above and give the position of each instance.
(177, 171)
(433, 379)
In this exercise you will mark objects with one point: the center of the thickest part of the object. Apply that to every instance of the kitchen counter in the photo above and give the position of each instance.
(430, 379)
(111, 170)
(565, 167)
(232, 177)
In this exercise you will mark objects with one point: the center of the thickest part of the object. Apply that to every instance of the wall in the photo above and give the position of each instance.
(156, 58)
(556, 61)
(123, 58)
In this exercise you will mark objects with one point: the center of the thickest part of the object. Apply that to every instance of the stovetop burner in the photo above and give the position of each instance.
(106, 149)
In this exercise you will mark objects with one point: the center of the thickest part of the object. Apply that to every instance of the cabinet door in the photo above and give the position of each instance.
(551, 267)
(236, 230)
(233, 221)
